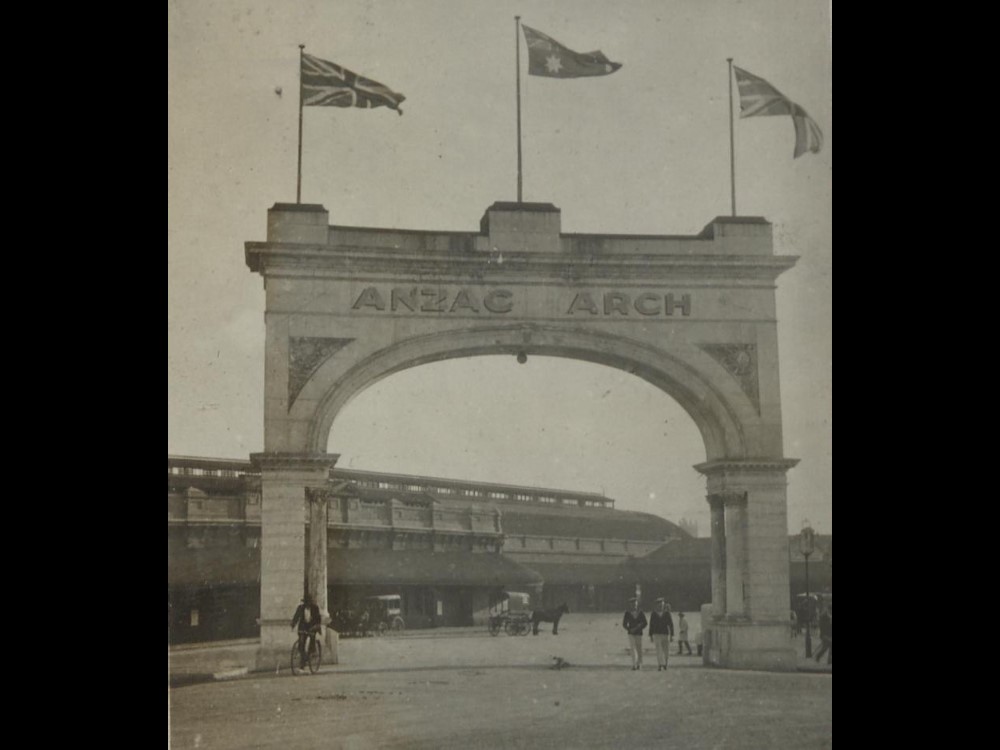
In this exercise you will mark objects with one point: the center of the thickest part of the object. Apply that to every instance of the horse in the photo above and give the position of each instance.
(548, 615)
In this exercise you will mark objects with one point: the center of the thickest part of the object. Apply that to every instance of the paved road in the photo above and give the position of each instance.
(469, 691)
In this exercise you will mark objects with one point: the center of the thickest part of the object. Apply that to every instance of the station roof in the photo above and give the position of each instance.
(683, 549)
(587, 523)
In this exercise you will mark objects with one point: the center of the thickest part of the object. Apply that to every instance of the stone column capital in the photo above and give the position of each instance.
(739, 466)
(726, 476)
(726, 499)
(319, 495)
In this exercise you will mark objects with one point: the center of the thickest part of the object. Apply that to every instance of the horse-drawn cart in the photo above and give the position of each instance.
(511, 613)
(374, 615)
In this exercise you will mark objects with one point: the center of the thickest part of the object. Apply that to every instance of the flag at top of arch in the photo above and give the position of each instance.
(759, 98)
(326, 84)
(546, 57)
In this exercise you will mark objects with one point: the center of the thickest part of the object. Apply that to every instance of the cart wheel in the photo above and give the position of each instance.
(510, 628)
(398, 626)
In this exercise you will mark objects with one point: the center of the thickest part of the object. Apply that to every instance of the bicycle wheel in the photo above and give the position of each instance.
(315, 657)
(295, 658)
(510, 627)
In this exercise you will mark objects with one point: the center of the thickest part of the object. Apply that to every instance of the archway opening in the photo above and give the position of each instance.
(551, 422)
(548, 423)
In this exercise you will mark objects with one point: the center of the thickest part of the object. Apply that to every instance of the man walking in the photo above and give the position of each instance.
(661, 632)
(682, 640)
(826, 635)
(634, 623)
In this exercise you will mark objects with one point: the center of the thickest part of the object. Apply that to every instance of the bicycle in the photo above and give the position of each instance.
(314, 653)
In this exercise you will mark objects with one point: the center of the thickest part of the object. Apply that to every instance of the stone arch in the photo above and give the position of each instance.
(719, 408)
(694, 315)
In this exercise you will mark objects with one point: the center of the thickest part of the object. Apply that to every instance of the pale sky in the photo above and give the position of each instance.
(642, 151)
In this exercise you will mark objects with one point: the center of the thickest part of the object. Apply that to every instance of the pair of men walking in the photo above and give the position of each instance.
(661, 632)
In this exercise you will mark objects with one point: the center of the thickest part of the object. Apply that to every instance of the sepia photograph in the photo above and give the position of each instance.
(499, 374)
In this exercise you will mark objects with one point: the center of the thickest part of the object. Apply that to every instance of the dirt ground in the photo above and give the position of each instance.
(467, 689)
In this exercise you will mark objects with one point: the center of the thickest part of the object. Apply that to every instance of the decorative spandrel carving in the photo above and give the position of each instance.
(305, 355)
(740, 361)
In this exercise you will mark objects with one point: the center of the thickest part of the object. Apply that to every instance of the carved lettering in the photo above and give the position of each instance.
(498, 301)
(583, 301)
(369, 298)
(406, 299)
(616, 301)
(409, 301)
(619, 303)
(647, 303)
(684, 304)
(464, 301)
(438, 300)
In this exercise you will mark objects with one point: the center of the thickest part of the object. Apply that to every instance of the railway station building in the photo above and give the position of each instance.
(447, 547)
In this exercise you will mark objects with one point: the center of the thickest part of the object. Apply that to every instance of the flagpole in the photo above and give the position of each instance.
(517, 55)
(298, 184)
(732, 138)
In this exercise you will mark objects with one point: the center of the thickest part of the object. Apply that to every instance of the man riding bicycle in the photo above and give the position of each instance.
(307, 618)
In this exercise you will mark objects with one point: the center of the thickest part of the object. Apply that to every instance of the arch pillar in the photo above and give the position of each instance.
(748, 626)
(718, 529)
(285, 480)
(346, 306)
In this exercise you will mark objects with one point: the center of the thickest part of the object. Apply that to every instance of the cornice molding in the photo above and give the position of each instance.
(293, 461)
(267, 258)
(727, 466)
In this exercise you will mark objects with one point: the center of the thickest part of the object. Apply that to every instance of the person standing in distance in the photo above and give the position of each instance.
(682, 639)
(634, 623)
(661, 632)
(826, 634)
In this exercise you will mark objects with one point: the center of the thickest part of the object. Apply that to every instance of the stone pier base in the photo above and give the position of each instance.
(745, 644)
(331, 640)
(275, 650)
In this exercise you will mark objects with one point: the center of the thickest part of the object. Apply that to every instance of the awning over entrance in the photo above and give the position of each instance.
(217, 567)
(208, 568)
(581, 574)
(418, 567)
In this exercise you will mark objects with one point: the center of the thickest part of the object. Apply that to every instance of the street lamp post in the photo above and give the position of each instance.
(806, 547)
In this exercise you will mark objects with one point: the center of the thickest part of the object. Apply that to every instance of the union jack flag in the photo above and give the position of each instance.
(325, 84)
(759, 98)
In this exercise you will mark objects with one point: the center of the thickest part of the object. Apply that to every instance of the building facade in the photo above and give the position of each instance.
(446, 547)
